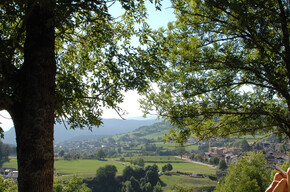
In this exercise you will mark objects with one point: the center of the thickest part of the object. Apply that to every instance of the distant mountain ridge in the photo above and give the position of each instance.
(110, 127)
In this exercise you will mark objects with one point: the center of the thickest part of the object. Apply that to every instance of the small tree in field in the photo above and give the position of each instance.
(61, 153)
(101, 154)
(167, 167)
(139, 161)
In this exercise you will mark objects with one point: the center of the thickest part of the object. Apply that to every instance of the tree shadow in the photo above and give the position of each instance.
(162, 183)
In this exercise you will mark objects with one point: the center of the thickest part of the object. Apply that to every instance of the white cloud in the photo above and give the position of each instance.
(5, 120)
(130, 105)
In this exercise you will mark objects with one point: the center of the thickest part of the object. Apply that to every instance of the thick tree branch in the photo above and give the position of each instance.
(220, 40)
(222, 9)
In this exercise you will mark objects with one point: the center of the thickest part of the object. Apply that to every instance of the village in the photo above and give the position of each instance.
(147, 141)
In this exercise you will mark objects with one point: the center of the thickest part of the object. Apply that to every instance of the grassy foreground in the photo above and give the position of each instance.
(88, 167)
(74, 167)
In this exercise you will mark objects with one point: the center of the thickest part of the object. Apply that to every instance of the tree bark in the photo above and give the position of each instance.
(33, 109)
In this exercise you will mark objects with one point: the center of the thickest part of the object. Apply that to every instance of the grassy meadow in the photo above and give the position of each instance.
(171, 146)
(171, 180)
(154, 158)
(12, 163)
(88, 167)
(177, 164)
(85, 167)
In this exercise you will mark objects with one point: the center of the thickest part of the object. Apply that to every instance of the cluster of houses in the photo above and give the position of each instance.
(232, 154)
(229, 154)
(9, 173)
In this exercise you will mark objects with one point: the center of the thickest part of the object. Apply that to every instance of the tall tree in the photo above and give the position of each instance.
(228, 69)
(101, 154)
(64, 60)
(105, 179)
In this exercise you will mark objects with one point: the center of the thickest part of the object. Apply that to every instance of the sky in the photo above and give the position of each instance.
(156, 19)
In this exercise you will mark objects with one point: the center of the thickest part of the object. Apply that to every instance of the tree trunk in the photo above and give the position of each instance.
(33, 111)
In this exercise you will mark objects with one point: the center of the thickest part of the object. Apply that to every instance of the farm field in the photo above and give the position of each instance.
(248, 138)
(84, 167)
(12, 163)
(170, 146)
(171, 180)
(180, 165)
(165, 147)
(154, 158)
(155, 136)
(187, 167)
(88, 167)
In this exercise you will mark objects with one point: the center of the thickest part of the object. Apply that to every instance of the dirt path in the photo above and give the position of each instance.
(122, 163)
(196, 162)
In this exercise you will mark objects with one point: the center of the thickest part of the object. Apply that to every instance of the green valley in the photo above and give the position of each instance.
(144, 148)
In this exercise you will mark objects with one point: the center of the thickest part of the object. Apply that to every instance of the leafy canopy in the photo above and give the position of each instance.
(227, 69)
(249, 174)
(94, 56)
(68, 185)
(8, 185)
